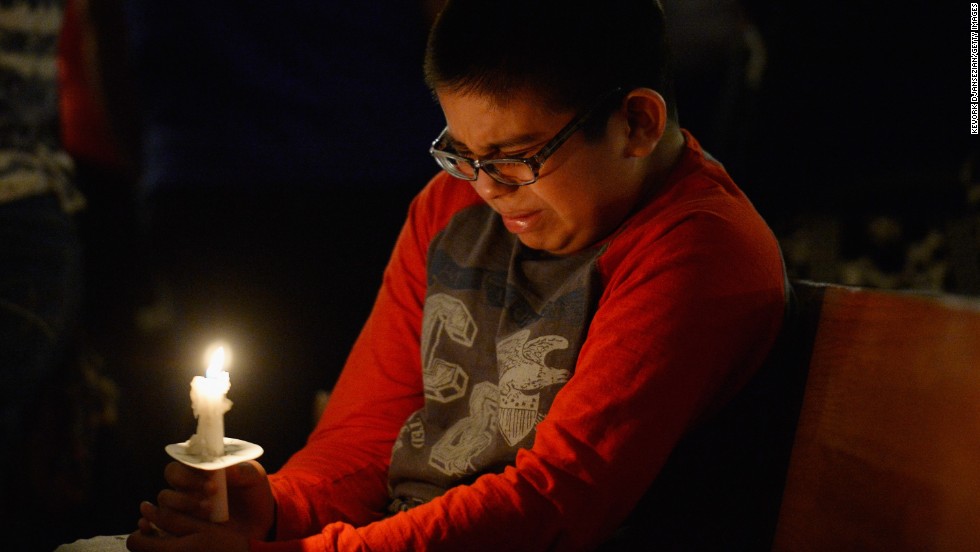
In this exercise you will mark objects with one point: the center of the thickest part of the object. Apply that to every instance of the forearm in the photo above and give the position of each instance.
(341, 474)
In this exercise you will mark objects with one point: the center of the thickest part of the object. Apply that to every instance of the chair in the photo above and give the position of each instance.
(887, 447)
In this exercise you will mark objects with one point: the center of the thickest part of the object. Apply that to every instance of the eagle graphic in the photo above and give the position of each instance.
(522, 371)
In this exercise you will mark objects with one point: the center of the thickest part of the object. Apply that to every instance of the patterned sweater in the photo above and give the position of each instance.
(32, 162)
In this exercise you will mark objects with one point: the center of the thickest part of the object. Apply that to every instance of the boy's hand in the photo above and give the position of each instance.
(184, 533)
(184, 510)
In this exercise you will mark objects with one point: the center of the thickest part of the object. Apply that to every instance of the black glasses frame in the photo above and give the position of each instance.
(449, 161)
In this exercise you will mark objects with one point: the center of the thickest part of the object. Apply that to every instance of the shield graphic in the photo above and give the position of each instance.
(518, 415)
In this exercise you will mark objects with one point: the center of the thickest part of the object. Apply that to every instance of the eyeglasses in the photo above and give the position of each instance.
(511, 171)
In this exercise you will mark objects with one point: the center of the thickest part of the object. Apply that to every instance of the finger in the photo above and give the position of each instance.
(194, 504)
(139, 541)
(149, 529)
(246, 474)
(171, 521)
(146, 527)
(184, 477)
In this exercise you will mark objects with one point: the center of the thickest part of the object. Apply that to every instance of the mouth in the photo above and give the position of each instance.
(520, 222)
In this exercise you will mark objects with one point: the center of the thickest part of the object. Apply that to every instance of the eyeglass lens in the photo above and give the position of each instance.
(507, 172)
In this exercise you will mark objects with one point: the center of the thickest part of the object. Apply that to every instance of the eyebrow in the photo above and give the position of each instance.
(521, 140)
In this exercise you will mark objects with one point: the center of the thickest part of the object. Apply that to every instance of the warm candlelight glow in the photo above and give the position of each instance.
(218, 359)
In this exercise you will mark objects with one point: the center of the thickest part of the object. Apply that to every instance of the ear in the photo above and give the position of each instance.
(646, 119)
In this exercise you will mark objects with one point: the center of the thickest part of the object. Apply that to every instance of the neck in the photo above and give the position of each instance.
(662, 161)
(666, 154)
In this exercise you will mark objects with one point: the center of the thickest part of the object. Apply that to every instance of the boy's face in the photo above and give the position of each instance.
(585, 190)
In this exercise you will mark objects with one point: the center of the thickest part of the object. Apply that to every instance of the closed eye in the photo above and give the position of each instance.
(526, 149)
(524, 154)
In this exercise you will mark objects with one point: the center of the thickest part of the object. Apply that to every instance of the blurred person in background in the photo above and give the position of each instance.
(45, 455)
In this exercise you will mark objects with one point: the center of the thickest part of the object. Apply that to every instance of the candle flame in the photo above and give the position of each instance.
(218, 360)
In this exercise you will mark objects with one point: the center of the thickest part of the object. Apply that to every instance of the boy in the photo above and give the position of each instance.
(579, 287)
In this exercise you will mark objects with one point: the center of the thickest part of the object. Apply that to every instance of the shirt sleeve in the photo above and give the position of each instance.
(689, 311)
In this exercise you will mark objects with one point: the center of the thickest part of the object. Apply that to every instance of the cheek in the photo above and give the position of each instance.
(573, 208)
(588, 196)
(592, 213)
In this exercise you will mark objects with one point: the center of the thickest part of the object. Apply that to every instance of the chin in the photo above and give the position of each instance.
(532, 242)
(542, 245)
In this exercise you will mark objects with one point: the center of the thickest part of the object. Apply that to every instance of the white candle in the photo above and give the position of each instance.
(210, 404)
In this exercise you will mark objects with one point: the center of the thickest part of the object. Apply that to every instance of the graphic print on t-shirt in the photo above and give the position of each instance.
(501, 329)
(512, 406)
(455, 451)
(522, 368)
(445, 381)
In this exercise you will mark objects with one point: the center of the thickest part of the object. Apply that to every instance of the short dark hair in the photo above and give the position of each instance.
(569, 53)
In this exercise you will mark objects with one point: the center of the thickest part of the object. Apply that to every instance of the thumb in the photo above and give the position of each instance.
(251, 502)
(246, 474)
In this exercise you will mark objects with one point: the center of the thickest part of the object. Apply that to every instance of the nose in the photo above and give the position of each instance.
(489, 189)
